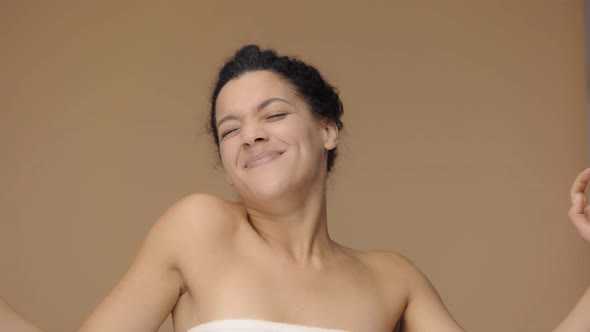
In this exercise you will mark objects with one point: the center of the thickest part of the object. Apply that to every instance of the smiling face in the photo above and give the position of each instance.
(270, 142)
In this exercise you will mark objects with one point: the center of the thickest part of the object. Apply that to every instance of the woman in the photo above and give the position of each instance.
(268, 262)
(270, 257)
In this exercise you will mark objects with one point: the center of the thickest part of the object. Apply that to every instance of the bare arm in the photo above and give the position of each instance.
(148, 291)
(578, 320)
(10, 320)
(425, 310)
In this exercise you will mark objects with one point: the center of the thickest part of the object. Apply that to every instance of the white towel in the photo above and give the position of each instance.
(255, 325)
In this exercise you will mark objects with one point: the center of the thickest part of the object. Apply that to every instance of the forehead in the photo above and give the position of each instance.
(249, 89)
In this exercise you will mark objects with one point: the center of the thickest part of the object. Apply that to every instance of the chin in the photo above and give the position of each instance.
(270, 183)
(270, 189)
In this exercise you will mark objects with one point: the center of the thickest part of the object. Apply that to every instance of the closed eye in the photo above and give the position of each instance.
(228, 132)
(276, 116)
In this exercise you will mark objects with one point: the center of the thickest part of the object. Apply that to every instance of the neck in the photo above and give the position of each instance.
(295, 229)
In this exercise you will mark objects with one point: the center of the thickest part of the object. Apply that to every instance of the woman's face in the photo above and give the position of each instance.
(270, 142)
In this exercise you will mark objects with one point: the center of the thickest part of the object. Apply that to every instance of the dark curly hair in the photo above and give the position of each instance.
(322, 97)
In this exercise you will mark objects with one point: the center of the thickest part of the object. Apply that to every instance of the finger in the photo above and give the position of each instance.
(576, 213)
(580, 221)
(579, 207)
(580, 183)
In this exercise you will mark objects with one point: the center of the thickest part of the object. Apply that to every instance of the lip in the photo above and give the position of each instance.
(262, 158)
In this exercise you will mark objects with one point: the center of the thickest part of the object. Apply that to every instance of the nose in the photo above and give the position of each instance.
(252, 133)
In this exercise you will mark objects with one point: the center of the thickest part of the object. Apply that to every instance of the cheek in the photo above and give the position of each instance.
(313, 138)
(302, 130)
(310, 144)
(226, 153)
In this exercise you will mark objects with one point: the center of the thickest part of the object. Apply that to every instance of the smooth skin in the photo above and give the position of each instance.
(579, 318)
(10, 320)
(271, 256)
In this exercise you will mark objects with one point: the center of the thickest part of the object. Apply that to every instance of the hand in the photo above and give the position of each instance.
(579, 213)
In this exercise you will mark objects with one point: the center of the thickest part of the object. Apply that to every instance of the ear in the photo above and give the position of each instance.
(330, 132)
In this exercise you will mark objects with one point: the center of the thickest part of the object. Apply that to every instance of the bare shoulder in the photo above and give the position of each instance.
(156, 277)
(424, 309)
(200, 205)
(195, 220)
(392, 268)
(388, 264)
(394, 271)
(394, 265)
(391, 277)
(202, 213)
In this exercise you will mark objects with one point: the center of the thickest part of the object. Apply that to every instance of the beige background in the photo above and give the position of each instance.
(465, 125)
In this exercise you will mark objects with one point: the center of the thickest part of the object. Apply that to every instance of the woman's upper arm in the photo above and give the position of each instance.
(425, 311)
(10, 320)
(149, 289)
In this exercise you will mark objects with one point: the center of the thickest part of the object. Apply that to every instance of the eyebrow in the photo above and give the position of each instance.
(260, 106)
